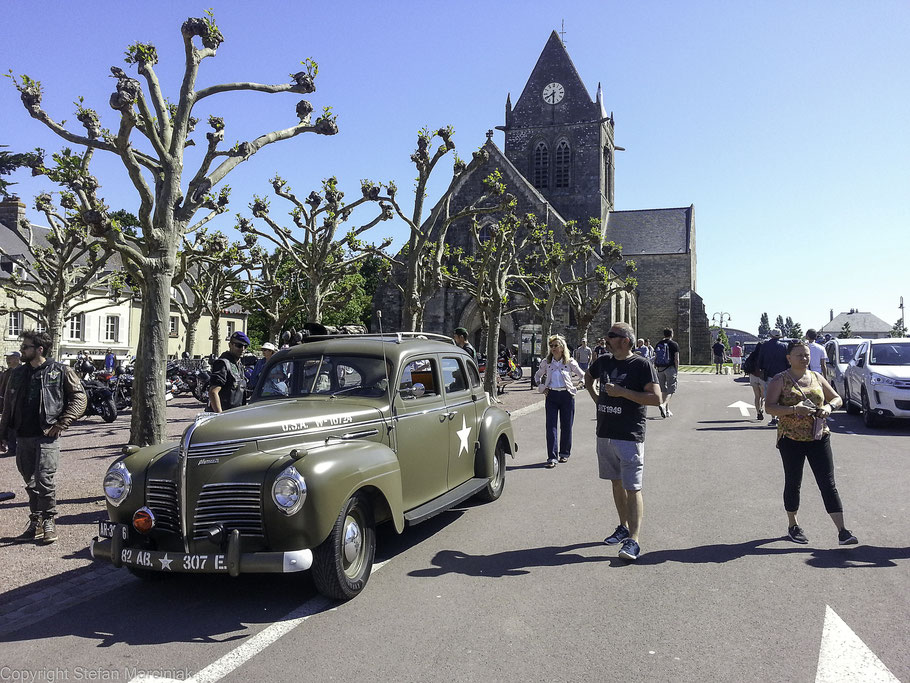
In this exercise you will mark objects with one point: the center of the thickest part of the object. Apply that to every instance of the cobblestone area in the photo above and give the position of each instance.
(38, 581)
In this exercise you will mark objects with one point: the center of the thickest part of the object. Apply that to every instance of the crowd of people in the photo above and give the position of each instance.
(40, 398)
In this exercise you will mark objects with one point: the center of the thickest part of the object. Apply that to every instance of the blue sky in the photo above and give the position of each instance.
(784, 123)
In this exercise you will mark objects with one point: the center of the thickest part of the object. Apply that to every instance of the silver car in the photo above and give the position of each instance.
(839, 354)
(877, 381)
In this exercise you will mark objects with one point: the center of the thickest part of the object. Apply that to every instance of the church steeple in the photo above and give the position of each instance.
(560, 138)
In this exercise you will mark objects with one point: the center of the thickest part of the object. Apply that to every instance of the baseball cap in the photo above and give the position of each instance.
(240, 338)
(775, 332)
(268, 346)
(461, 331)
(13, 353)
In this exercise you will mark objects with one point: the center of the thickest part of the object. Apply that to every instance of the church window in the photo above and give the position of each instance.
(563, 163)
(541, 174)
(608, 173)
(486, 232)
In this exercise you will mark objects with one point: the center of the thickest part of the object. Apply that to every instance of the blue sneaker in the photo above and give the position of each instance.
(617, 536)
(630, 550)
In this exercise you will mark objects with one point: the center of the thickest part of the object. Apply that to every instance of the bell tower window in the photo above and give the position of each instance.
(541, 166)
(608, 174)
(563, 164)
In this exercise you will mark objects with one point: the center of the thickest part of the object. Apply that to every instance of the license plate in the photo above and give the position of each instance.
(157, 560)
(106, 529)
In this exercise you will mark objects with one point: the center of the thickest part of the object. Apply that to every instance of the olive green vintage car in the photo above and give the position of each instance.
(342, 433)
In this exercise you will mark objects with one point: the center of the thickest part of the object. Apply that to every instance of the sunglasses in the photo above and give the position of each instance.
(23, 347)
(238, 345)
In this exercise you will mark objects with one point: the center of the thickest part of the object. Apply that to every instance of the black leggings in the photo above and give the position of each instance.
(794, 454)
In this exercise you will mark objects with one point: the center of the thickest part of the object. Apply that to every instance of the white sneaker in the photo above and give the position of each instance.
(669, 414)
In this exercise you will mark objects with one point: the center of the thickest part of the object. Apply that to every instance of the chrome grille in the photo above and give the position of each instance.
(217, 450)
(232, 505)
(161, 498)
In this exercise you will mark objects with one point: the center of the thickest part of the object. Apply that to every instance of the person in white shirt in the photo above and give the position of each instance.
(584, 354)
(559, 368)
(818, 360)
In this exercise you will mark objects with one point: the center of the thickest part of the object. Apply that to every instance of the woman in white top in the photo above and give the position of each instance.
(559, 369)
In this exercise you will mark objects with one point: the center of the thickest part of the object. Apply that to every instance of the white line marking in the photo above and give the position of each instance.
(527, 409)
(252, 647)
(844, 657)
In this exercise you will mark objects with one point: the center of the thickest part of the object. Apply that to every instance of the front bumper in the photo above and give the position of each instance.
(232, 562)
(889, 401)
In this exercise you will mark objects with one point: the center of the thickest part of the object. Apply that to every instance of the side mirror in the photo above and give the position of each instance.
(419, 390)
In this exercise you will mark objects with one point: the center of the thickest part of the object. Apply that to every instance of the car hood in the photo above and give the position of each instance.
(316, 418)
(891, 371)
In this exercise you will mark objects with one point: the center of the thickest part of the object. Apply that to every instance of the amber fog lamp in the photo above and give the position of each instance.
(143, 520)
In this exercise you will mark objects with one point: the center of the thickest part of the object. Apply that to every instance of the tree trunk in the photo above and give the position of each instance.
(55, 330)
(492, 347)
(191, 335)
(274, 330)
(148, 423)
(216, 338)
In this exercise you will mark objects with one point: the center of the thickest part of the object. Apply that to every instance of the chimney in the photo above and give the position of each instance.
(832, 316)
(11, 210)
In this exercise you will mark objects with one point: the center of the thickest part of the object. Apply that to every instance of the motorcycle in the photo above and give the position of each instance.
(175, 375)
(507, 371)
(99, 400)
(201, 386)
(121, 386)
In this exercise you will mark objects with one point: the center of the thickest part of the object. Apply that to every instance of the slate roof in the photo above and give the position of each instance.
(859, 322)
(652, 231)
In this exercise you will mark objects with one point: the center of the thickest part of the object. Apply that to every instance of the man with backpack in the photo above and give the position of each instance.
(666, 360)
(750, 368)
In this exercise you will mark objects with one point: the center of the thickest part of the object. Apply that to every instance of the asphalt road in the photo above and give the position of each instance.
(523, 589)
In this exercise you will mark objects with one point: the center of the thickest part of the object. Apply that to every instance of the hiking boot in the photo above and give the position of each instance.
(50, 531)
(621, 534)
(846, 538)
(33, 532)
(797, 535)
(630, 550)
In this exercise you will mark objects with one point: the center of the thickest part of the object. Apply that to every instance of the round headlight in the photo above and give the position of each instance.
(289, 491)
(117, 483)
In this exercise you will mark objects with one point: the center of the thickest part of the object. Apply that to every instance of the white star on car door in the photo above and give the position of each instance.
(463, 435)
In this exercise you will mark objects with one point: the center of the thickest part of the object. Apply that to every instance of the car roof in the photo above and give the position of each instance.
(393, 346)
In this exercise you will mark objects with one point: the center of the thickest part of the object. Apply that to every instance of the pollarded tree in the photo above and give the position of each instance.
(418, 266)
(491, 271)
(167, 204)
(275, 289)
(596, 283)
(65, 266)
(322, 255)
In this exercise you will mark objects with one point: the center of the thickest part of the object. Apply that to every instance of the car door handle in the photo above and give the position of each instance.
(442, 418)
(452, 415)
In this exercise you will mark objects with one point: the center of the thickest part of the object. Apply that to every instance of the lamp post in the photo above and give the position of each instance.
(901, 306)
(721, 316)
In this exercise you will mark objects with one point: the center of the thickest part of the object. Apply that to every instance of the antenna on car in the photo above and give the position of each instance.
(388, 383)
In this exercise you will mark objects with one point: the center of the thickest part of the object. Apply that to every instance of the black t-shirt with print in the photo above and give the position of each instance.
(618, 417)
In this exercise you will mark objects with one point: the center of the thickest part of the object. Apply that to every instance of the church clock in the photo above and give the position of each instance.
(553, 93)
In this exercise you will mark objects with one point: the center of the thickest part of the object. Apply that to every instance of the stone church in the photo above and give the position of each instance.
(559, 162)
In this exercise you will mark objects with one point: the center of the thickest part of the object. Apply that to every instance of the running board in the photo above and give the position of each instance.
(445, 501)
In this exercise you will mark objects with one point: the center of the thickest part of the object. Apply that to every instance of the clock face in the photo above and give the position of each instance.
(553, 93)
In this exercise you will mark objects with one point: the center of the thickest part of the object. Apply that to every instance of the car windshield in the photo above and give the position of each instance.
(890, 354)
(325, 375)
(846, 352)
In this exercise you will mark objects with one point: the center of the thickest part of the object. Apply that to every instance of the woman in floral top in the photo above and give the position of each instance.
(799, 397)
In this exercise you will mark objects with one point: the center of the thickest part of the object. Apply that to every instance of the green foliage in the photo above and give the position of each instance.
(141, 53)
(723, 339)
(899, 329)
(9, 162)
(779, 323)
(311, 67)
(764, 327)
(845, 332)
(796, 331)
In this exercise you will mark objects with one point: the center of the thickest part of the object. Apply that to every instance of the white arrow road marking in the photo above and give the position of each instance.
(743, 407)
(252, 647)
(844, 657)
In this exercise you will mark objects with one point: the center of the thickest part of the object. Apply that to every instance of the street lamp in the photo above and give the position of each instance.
(721, 316)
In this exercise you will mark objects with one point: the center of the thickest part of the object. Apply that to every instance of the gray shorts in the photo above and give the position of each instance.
(617, 459)
(667, 378)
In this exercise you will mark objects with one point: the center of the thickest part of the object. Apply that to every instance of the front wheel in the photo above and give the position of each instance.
(517, 373)
(343, 562)
(870, 419)
(498, 481)
(108, 410)
(848, 404)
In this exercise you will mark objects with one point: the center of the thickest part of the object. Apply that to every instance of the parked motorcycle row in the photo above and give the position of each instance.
(507, 371)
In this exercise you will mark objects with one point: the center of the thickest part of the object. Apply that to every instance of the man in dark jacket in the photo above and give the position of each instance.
(772, 359)
(227, 386)
(43, 398)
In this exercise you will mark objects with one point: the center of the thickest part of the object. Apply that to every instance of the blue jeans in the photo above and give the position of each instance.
(561, 405)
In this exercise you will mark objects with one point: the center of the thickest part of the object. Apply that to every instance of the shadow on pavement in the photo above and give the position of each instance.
(509, 563)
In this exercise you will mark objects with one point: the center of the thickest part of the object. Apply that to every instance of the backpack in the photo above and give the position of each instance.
(750, 365)
(662, 354)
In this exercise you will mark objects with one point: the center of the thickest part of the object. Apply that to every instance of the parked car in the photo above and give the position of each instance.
(342, 433)
(877, 380)
(839, 353)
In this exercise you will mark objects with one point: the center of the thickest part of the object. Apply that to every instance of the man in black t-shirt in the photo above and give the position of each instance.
(666, 360)
(628, 383)
(719, 352)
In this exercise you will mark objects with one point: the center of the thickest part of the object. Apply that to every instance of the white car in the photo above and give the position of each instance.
(839, 353)
(877, 380)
